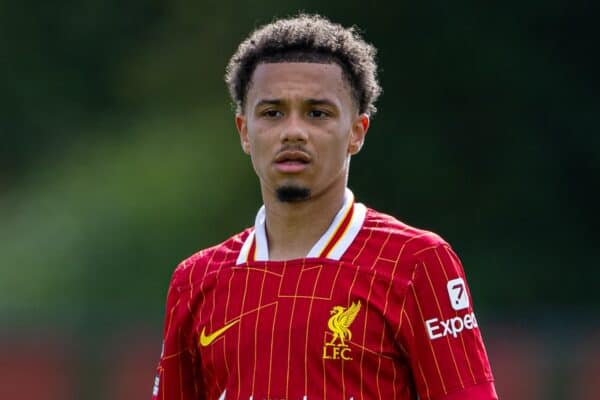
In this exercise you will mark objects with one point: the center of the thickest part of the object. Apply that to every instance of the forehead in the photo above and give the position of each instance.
(298, 80)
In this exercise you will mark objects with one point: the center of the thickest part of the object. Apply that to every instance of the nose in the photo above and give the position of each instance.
(294, 130)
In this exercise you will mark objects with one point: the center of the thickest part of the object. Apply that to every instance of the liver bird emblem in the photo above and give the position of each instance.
(340, 321)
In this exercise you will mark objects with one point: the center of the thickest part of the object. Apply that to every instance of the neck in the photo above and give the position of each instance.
(293, 228)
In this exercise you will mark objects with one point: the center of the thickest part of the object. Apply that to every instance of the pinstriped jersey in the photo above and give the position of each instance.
(377, 310)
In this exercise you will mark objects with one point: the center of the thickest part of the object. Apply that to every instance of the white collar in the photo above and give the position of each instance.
(332, 245)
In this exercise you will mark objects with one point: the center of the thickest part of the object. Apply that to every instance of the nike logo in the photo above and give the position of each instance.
(205, 339)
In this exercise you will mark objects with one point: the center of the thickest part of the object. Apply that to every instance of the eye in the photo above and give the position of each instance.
(272, 113)
(318, 114)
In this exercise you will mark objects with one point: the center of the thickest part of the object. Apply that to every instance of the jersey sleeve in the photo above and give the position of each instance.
(178, 373)
(440, 333)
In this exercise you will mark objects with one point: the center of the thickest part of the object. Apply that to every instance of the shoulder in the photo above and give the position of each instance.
(209, 260)
(411, 240)
(423, 252)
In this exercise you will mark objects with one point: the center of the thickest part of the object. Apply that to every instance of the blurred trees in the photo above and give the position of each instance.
(119, 156)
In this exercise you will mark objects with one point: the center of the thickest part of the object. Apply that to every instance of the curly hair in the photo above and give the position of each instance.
(307, 38)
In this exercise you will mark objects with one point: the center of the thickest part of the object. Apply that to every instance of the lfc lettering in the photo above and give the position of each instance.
(332, 352)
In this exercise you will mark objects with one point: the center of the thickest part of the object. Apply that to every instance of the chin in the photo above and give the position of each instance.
(292, 193)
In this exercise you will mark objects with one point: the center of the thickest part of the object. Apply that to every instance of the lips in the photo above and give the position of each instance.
(292, 156)
(291, 161)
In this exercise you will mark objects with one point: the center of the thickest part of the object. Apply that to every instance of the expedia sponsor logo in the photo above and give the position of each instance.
(453, 326)
(458, 294)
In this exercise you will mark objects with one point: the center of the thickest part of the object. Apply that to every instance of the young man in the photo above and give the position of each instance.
(323, 298)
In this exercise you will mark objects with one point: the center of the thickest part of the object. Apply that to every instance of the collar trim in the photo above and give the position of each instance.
(332, 245)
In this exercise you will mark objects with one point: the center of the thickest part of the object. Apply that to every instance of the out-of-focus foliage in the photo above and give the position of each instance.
(88, 233)
(119, 156)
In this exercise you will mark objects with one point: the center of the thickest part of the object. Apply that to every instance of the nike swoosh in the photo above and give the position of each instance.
(205, 340)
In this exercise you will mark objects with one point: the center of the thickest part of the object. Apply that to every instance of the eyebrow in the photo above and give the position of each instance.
(269, 102)
(312, 102)
(318, 102)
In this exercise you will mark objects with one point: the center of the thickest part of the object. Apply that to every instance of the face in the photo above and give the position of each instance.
(300, 126)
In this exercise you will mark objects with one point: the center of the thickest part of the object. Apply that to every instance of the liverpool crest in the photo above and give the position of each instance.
(339, 325)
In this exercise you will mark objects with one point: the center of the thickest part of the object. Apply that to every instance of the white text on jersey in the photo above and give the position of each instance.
(453, 326)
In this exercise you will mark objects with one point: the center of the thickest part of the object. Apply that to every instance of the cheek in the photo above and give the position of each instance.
(337, 153)
(259, 151)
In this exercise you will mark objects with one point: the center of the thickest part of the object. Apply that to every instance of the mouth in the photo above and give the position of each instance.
(291, 161)
(292, 156)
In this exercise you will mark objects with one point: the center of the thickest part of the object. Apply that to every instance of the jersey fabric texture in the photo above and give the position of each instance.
(377, 310)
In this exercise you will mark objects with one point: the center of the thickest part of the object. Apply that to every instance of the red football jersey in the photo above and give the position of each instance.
(377, 310)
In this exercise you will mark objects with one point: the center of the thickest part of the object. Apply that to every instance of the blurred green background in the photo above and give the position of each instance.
(119, 158)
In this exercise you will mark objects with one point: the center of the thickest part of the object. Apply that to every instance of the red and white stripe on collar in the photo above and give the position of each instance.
(333, 244)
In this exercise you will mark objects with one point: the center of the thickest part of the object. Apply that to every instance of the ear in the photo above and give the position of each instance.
(242, 127)
(360, 126)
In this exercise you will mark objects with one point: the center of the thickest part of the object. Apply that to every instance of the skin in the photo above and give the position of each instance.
(300, 127)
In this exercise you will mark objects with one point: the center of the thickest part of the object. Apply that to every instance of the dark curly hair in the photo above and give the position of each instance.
(307, 38)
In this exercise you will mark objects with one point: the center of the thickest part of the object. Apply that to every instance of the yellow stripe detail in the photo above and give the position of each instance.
(335, 232)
